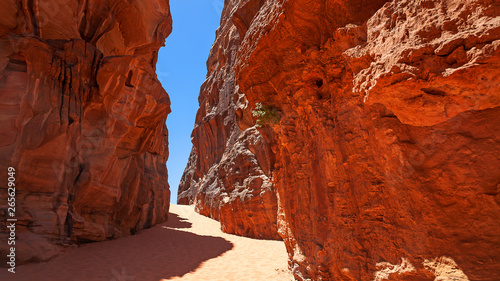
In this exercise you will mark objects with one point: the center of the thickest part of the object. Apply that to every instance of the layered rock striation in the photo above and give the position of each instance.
(386, 158)
(83, 120)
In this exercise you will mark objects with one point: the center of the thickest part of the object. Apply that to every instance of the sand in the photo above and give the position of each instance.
(187, 247)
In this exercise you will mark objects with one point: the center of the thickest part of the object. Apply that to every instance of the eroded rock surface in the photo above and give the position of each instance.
(228, 176)
(386, 158)
(83, 120)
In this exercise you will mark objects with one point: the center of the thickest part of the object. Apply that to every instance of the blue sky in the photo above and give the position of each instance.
(181, 69)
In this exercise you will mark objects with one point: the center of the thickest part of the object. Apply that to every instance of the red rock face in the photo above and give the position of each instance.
(83, 120)
(228, 176)
(385, 159)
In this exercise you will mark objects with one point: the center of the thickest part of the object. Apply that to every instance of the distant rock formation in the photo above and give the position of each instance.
(385, 161)
(83, 121)
(229, 176)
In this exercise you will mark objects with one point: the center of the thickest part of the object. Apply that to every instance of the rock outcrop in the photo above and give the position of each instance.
(386, 157)
(228, 176)
(83, 121)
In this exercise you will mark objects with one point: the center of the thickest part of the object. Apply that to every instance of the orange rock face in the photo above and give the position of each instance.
(386, 157)
(83, 120)
(228, 176)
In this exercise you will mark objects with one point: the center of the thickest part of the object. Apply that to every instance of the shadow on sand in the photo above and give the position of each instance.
(174, 221)
(164, 251)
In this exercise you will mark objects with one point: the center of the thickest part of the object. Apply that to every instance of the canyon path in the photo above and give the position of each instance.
(187, 247)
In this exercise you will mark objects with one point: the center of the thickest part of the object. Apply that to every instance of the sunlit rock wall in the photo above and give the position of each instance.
(386, 157)
(229, 176)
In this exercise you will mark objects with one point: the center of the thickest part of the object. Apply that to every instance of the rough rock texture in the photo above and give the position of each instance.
(387, 152)
(228, 176)
(83, 121)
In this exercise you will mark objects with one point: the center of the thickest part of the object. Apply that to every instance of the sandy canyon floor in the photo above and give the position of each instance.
(187, 247)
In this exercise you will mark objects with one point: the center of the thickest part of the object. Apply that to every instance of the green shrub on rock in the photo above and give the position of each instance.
(266, 115)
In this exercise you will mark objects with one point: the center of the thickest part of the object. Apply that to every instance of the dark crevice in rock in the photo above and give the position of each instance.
(128, 82)
(433, 92)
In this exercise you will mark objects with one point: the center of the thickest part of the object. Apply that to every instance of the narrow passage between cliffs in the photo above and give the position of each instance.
(187, 247)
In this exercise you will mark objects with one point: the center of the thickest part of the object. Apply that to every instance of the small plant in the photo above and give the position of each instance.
(266, 115)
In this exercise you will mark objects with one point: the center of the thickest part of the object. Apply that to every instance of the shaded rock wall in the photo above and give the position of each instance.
(228, 176)
(385, 160)
(83, 120)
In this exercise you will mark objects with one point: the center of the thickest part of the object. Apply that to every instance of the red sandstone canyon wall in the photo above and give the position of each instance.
(83, 120)
(228, 176)
(385, 161)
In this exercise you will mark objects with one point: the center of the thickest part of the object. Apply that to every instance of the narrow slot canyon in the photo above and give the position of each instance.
(305, 140)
